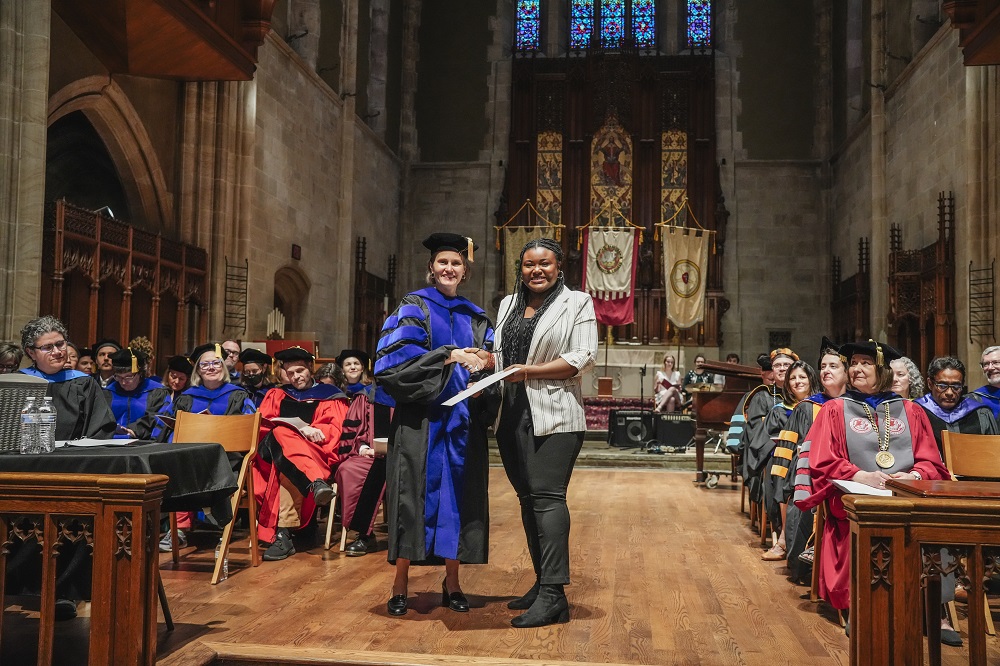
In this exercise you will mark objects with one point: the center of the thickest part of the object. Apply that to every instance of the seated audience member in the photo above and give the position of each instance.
(210, 392)
(142, 344)
(698, 377)
(135, 399)
(946, 406)
(81, 410)
(735, 438)
(733, 358)
(103, 350)
(256, 375)
(361, 476)
(85, 363)
(330, 373)
(357, 370)
(867, 452)
(666, 388)
(990, 392)
(178, 376)
(72, 356)
(231, 350)
(906, 380)
(299, 458)
(10, 358)
(760, 403)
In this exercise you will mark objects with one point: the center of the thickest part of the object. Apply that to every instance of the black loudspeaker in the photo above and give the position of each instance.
(674, 429)
(631, 428)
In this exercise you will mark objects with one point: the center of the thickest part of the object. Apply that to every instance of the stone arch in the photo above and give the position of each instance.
(112, 115)
(291, 296)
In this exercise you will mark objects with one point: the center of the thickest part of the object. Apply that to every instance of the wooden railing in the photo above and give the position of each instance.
(896, 550)
(117, 518)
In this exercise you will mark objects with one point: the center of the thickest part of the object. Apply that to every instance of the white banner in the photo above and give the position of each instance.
(609, 262)
(685, 269)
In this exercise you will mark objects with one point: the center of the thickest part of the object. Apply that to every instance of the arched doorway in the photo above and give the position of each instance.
(291, 295)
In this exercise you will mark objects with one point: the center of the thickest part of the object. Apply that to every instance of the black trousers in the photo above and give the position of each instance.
(539, 469)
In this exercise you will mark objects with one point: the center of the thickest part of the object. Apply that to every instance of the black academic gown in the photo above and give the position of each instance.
(437, 466)
(81, 409)
(972, 416)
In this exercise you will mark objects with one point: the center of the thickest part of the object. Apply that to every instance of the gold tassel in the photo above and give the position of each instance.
(218, 352)
(135, 363)
(879, 358)
(471, 247)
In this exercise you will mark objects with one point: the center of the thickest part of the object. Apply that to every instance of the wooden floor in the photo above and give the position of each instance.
(663, 573)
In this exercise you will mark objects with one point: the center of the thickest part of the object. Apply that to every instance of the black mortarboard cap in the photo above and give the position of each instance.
(180, 364)
(764, 361)
(345, 354)
(882, 353)
(440, 241)
(128, 358)
(293, 354)
(207, 347)
(829, 344)
(251, 355)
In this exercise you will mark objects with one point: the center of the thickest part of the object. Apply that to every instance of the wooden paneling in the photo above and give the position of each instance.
(190, 40)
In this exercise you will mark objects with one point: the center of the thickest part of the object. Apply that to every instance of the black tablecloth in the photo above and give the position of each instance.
(200, 474)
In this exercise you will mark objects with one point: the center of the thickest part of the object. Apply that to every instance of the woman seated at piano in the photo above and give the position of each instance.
(667, 388)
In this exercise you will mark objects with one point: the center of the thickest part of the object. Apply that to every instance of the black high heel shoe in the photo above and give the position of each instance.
(550, 607)
(456, 601)
(397, 604)
(524, 603)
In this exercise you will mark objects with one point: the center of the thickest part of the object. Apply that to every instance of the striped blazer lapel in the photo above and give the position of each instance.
(550, 330)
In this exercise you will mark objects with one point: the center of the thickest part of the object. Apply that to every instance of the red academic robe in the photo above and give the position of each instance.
(315, 460)
(828, 460)
(353, 472)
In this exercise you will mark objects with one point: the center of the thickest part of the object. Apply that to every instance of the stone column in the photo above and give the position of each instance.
(879, 307)
(24, 94)
(215, 212)
(344, 235)
(378, 63)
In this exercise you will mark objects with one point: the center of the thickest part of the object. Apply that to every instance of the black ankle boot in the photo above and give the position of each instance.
(549, 608)
(524, 603)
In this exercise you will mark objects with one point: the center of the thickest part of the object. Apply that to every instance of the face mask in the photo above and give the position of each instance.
(254, 380)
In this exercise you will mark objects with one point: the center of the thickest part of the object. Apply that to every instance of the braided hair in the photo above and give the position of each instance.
(517, 332)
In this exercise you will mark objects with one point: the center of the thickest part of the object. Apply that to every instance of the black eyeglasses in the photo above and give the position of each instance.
(957, 388)
(48, 349)
(231, 352)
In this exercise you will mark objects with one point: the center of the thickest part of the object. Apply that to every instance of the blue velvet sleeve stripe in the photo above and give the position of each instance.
(398, 356)
(410, 334)
(410, 311)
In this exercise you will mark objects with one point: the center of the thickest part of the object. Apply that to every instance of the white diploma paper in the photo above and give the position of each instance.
(479, 386)
(855, 488)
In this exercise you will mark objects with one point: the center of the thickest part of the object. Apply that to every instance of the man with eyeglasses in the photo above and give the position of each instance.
(990, 392)
(231, 349)
(296, 459)
(946, 405)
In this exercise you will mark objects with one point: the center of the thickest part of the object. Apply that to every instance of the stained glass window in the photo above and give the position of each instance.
(528, 18)
(644, 23)
(612, 23)
(699, 23)
(581, 23)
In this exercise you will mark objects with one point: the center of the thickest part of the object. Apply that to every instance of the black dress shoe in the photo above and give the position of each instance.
(281, 548)
(454, 600)
(397, 604)
(362, 546)
(65, 610)
(549, 608)
(524, 603)
(951, 637)
(321, 491)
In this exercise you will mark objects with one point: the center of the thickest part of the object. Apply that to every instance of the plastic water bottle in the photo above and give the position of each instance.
(224, 574)
(29, 426)
(47, 427)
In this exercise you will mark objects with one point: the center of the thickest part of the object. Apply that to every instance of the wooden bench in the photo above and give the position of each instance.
(119, 517)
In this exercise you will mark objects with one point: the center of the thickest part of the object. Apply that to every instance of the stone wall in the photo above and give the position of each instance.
(850, 198)
(377, 198)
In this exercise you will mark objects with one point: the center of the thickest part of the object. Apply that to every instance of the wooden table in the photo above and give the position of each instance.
(896, 547)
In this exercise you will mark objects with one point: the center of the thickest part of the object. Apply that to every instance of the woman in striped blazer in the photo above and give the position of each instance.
(549, 333)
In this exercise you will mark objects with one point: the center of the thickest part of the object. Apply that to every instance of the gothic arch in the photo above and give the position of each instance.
(291, 296)
(109, 110)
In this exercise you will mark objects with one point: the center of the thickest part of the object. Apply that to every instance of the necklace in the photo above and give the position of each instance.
(883, 458)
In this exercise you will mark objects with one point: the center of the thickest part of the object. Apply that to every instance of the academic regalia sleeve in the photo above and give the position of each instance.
(926, 457)
(98, 420)
(359, 428)
(405, 365)
(147, 426)
(828, 459)
(240, 402)
(329, 419)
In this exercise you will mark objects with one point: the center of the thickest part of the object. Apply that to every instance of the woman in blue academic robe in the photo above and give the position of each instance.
(437, 466)
(134, 398)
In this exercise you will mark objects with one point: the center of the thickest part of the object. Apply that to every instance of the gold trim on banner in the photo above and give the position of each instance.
(538, 216)
(612, 225)
(685, 205)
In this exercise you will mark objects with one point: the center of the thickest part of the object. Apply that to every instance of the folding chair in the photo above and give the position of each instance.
(972, 456)
(237, 434)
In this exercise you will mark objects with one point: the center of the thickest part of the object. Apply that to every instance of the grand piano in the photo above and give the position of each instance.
(714, 409)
